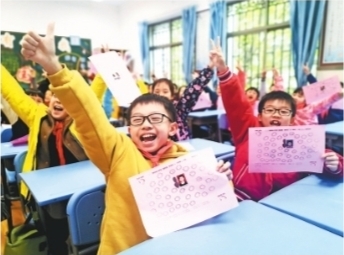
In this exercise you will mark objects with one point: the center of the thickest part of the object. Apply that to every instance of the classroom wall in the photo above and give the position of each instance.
(93, 20)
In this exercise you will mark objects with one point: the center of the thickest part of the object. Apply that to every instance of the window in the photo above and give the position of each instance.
(165, 46)
(259, 37)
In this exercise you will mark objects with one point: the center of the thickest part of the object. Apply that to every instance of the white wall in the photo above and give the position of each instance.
(93, 20)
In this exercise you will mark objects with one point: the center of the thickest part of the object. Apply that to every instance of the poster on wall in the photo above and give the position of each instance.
(72, 51)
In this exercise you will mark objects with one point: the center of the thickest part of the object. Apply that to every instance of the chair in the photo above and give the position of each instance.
(85, 212)
(6, 135)
(18, 163)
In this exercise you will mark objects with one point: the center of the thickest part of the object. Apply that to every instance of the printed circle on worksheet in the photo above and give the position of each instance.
(167, 177)
(197, 194)
(283, 160)
(296, 157)
(289, 160)
(164, 188)
(172, 171)
(266, 148)
(294, 151)
(303, 153)
(286, 150)
(309, 140)
(279, 137)
(177, 198)
(259, 156)
(158, 196)
(178, 206)
(267, 144)
(272, 139)
(208, 180)
(215, 177)
(169, 204)
(211, 188)
(174, 190)
(171, 209)
(288, 156)
(204, 194)
(202, 187)
(303, 147)
(182, 190)
(192, 203)
(194, 166)
(152, 184)
(272, 155)
(266, 138)
(185, 205)
(297, 136)
(160, 175)
(156, 190)
(260, 145)
(309, 150)
(192, 173)
(259, 151)
(188, 196)
(186, 168)
(161, 182)
(161, 205)
(273, 151)
(168, 196)
(300, 141)
(178, 167)
(151, 203)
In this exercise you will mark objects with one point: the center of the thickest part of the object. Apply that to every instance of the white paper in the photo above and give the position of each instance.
(117, 77)
(167, 205)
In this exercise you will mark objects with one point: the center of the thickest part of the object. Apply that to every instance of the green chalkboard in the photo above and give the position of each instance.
(72, 51)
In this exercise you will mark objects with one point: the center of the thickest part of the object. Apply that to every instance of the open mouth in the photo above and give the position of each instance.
(58, 108)
(147, 138)
(275, 123)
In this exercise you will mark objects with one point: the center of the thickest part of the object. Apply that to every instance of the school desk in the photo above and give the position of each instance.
(208, 117)
(334, 134)
(251, 228)
(314, 199)
(59, 183)
(10, 151)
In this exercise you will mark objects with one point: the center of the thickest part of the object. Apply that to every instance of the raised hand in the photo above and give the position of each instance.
(41, 49)
(275, 72)
(331, 161)
(238, 66)
(305, 69)
(216, 56)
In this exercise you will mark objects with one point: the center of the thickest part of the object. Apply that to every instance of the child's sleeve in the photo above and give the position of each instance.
(311, 79)
(213, 96)
(239, 111)
(142, 86)
(104, 146)
(99, 87)
(325, 104)
(242, 77)
(8, 111)
(278, 83)
(193, 91)
(339, 172)
(23, 105)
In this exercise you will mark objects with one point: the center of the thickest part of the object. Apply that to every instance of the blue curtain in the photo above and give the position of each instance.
(144, 49)
(107, 103)
(306, 18)
(189, 19)
(218, 28)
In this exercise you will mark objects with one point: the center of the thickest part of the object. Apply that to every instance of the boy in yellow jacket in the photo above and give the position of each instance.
(152, 121)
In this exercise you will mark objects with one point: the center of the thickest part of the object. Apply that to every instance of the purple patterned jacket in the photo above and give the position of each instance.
(189, 99)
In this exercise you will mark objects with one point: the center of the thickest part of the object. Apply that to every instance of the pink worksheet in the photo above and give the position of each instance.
(182, 193)
(286, 149)
(321, 90)
(338, 104)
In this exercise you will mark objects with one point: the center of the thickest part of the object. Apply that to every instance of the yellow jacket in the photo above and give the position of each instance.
(114, 154)
(30, 112)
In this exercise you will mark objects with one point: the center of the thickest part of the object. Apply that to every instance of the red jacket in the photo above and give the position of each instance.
(247, 185)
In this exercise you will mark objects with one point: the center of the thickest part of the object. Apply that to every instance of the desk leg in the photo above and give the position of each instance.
(7, 201)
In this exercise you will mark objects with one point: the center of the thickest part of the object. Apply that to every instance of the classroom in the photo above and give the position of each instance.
(172, 127)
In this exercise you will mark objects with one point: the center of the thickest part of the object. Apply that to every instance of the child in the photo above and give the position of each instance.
(328, 116)
(52, 142)
(164, 87)
(275, 109)
(306, 114)
(152, 120)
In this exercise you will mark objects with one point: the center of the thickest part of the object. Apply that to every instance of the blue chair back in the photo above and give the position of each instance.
(18, 163)
(85, 213)
(6, 135)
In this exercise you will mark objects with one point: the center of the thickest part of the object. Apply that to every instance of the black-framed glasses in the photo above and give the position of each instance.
(282, 112)
(154, 118)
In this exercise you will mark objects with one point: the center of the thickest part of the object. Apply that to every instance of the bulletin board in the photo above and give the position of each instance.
(72, 51)
(331, 50)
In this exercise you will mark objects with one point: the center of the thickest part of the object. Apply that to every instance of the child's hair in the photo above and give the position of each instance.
(278, 95)
(298, 91)
(180, 88)
(255, 90)
(167, 81)
(153, 98)
(341, 84)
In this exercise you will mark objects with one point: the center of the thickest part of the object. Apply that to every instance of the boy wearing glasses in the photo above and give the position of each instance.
(152, 120)
(276, 108)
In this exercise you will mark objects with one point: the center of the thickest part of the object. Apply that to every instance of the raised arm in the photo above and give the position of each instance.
(278, 81)
(239, 111)
(310, 78)
(8, 111)
(325, 104)
(23, 105)
(103, 144)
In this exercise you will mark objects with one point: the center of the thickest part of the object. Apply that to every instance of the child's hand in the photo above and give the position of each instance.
(41, 49)
(341, 93)
(238, 66)
(216, 57)
(275, 72)
(305, 69)
(225, 169)
(105, 48)
(264, 73)
(331, 161)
